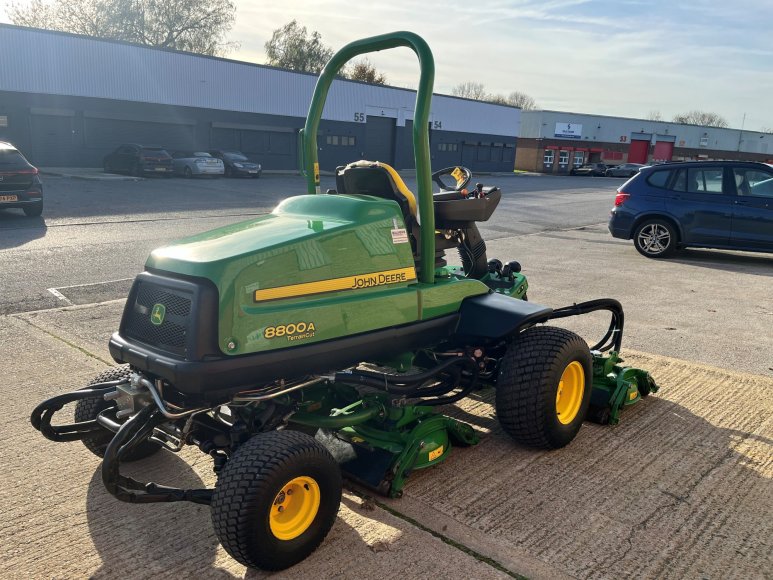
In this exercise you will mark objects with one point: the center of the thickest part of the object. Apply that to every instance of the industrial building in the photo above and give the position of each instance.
(67, 100)
(555, 141)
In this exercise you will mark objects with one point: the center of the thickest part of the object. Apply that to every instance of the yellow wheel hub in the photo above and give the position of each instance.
(294, 508)
(570, 391)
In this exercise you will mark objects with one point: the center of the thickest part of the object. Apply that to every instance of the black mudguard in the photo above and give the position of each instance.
(495, 315)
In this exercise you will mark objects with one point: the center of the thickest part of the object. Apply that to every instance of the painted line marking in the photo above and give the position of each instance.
(91, 284)
(59, 295)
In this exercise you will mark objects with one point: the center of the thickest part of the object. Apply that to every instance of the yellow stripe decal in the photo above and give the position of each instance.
(382, 278)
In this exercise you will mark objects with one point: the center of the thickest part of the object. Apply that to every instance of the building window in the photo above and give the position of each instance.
(344, 140)
(563, 157)
(549, 156)
(579, 158)
(3, 120)
(442, 147)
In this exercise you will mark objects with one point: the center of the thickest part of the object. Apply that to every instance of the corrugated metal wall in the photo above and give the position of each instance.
(33, 61)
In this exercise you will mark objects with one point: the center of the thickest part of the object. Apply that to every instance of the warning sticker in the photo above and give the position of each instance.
(399, 236)
(436, 453)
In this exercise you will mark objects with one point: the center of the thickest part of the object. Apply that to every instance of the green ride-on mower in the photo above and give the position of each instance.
(334, 327)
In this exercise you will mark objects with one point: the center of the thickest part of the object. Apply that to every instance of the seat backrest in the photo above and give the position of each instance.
(376, 179)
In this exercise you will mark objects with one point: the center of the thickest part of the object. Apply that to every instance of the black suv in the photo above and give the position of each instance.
(20, 184)
(706, 204)
(139, 160)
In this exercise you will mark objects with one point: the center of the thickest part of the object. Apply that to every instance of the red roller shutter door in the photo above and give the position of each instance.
(664, 150)
(637, 152)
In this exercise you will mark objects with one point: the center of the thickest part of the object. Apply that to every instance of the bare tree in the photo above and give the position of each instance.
(363, 70)
(521, 100)
(470, 90)
(696, 117)
(654, 116)
(197, 26)
(291, 46)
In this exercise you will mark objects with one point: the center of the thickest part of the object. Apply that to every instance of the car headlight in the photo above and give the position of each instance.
(239, 165)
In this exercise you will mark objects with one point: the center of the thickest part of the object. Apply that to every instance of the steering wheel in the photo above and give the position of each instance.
(460, 176)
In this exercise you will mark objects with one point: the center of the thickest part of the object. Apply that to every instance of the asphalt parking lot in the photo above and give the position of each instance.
(682, 488)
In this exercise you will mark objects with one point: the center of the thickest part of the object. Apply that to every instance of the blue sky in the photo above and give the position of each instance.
(625, 57)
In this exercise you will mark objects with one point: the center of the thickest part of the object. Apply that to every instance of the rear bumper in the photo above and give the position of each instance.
(620, 224)
(20, 198)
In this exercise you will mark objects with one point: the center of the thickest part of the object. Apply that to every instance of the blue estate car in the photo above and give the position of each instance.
(706, 204)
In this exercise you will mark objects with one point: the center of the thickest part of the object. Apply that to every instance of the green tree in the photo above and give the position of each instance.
(364, 71)
(704, 118)
(292, 47)
(197, 26)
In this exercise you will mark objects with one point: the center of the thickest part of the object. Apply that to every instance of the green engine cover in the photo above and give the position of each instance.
(318, 267)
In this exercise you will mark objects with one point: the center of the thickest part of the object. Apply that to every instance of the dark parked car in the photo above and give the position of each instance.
(20, 184)
(717, 204)
(237, 164)
(598, 169)
(139, 160)
(624, 170)
(196, 163)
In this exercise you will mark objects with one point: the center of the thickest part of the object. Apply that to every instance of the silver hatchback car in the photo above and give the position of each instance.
(197, 163)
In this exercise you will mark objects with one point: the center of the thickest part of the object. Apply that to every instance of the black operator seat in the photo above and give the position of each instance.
(379, 180)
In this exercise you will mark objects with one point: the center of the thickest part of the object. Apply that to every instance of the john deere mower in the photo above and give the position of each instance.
(325, 338)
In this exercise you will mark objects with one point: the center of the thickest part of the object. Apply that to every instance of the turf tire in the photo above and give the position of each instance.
(88, 409)
(528, 383)
(249, 483)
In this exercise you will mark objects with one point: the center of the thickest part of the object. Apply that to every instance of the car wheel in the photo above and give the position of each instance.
(655, 238)
(228, 172)
(136, 170)
(33, 210)
(106, 167)
(188, 173)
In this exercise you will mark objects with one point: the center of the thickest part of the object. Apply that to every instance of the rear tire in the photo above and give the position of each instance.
(258, 521)
(655, 238)
(544, 387)
(88, 409)
(33, 210)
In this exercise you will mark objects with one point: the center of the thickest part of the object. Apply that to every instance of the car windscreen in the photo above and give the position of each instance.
(11, 159)
(234, 156)
(201, 154)
(154, 152)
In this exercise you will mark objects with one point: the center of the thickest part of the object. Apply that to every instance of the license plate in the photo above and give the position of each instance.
(253, 170)
(8, 198)
(160, 168)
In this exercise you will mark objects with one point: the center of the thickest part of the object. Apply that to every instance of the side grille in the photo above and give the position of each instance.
(171, 334)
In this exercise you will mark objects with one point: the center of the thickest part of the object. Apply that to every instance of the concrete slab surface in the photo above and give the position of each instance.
(681, 488)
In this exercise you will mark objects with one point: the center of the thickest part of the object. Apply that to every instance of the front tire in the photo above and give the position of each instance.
(88, 409)
(276, 499)
(655, 238)
(187, 172)
(544, 387)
